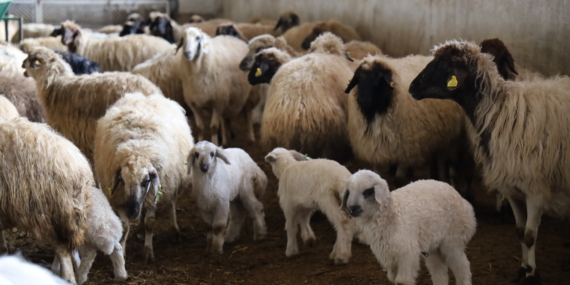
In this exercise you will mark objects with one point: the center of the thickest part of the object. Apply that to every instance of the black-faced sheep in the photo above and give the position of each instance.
(161, 25)
(519, 130)
(260, 43)
(135, 24)
(287, 20)
(359, 49)
(346, 33)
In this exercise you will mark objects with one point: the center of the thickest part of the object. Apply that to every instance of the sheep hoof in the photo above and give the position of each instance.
(340, 261)
(291, 252)
(148, 255)
(311, 241)
(121, 276)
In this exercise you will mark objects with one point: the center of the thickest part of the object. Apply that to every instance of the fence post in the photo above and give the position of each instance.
(39, 11)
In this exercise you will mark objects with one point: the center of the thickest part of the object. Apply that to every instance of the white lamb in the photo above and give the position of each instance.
(235, 185)
(426, 218)
(308, 186)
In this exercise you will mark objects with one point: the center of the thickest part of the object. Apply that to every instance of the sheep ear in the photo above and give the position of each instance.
(381, 191)
(387, 75)
(279, 23)
(156, 187)
(511, 63)
(271, 157)
(55, 33)
(297, 155)
(221, 154)
(343, 203)
(190, 160)
(118, 180)
(353, 82)
(180, 43)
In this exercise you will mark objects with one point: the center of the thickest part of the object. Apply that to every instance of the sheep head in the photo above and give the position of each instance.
(194, 43)
(266, 64)
(256, 45)
(196, 19)
(287, 20)
(161, 26)
(365, 192)
(42, 62)
(375, 87)
(501, 56)
(204, 157)
(133, 181)
(134, 25)
(69, 31)
(229, 29)
(329, 43)
(280, 157)
(452, 74)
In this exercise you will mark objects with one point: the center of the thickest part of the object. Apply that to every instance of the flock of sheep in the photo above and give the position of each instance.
(117, 140)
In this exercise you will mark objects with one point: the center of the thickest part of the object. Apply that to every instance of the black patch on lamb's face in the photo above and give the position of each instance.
(501, 56)
(263, 69)
(311, 37)
(374, 94)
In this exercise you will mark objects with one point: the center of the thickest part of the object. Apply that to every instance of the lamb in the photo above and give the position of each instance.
(212, 82)
(34, 158)
(79, 64)
(113, 53)
(53, 43)
(14, 270)
(143, 142)
(306, 107)
(61, 93)
(359, 50)
(388, 127)
(508, 69)
(346, 33)
(308, 186)
(426, 217)
(260, 43)
(226, 183)
(22, 92)
(7, 110)
(519, 131)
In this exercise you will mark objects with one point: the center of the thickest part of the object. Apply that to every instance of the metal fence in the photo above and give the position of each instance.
(90, 14)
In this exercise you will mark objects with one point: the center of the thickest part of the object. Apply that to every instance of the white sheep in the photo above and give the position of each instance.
(44, 187)
(212, 82)
(53, 43)
(426, 218)
(308, 186)
(226, 184)
(112, 53)
(62, 94)
(14, 270)
(143, 142)
(519, 130)
(11, 58)
(7, 110)
(22, 92)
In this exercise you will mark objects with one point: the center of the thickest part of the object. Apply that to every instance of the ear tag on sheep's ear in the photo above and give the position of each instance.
(392, 84)
(452, 82)
(206, 47)
(258, 72)
(306, 156)
(37, 62)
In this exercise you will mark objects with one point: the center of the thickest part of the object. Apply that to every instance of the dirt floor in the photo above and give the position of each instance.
(494, 252)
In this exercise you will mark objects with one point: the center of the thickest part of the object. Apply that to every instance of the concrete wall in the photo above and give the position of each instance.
(537, 32)
(202, 7)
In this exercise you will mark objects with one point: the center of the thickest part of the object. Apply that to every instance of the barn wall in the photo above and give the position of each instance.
(537, 32)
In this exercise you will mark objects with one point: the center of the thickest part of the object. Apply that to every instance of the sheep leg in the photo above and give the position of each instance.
(401, 175)
(237, 218)
(56, 265)
(219, 224)
(3, 245)
(126, 227)
(149, 229)
(520, 220)
(118, 263)
(408, 267)
(456, 259)
(304, 220)
(291, 228)
(249, 121)
(64, 256)
(88, 256)
(437, 268)
(215, 127)
(344, 232)
(174, 221)
(199, 123)
(534, 209)
(255, 209)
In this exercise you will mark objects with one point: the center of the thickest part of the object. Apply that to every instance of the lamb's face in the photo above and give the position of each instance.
(255, 46)
(194, 44)
(38, 59)
(204, 157)
(133, 181)
(264, 68)
(447, 76)
(365, 191)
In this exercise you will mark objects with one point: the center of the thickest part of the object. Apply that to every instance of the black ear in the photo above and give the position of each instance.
(510, 63)
(294, 20)
(279, 23)
(343, 205)
(118, 180)
(387, 75)
(180, 43)
(169, 32)
(353, 82)
(56, 32)
(347, 55)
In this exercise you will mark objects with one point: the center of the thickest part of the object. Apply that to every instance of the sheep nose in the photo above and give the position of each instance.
(204, 167)
(355, 211)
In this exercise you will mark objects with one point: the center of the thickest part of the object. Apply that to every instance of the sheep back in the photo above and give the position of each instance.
(7, 110)
(22, 92)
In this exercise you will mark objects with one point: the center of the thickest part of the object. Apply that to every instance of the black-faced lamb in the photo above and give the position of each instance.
(62, 94)
(141, 147)
(426, 218)
(519, 131)
(306, 186)
(225, 184)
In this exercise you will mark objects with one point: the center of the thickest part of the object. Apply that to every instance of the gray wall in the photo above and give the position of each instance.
(537, 31)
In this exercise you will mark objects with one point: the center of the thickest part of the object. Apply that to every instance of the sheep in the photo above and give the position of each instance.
(226, 183)
(79, 64)
(53, 43)
(426, 217)
(212, 82)
(34, 30)
(230, 29)
(388, 127)
(143, 141)
(260, 43)
(62, 94)
(508, 69)
(11, 58)
(14, 270)
(519, 131)
(161, 25)
(306, 106)
(287, 20)
(22, 92)
(250, 31)
(346, 33)
(196, 19)
(114, 53)
(135, 24)
(7, 110)
(44, 187)
(359, 50)
(110, 29)
(104, 231)
(308, 186)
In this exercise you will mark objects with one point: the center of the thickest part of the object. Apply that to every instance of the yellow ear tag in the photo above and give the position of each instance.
(392, 84)
(37, 62)
(258, 72)
(452, 82)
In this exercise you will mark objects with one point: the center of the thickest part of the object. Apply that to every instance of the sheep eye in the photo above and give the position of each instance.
(145, 183)
(197, 37)
(196, 155)
(368, 192)
(212, 154)
(152, 176)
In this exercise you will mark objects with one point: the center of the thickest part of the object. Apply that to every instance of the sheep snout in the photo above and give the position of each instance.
(204, 167)
(355, 211)
(133, 208)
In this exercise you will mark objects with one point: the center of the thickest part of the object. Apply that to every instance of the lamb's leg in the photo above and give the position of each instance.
(64, 255)
(149, 229)
(455, 257)
(520, 220)
(408, 267)
(126, 227)
(237, 218)
(88, 255)
(215, 127)
(344, 232)
(118, 263)
(304, 220)
(198, 119)
(173, 217)
(534, 209)
(437, 268)
(291, 228)
(219, 224)
(255, 209)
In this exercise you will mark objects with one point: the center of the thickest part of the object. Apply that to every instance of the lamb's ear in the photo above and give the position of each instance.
(118, 180)
(271, 157)
(156, 187)
(353, 82)
(180, 43)
(297, 155)
(221, 154)
(190, 160)
(343, 204)
(381, 191)
(56, 32)
(279, 23)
